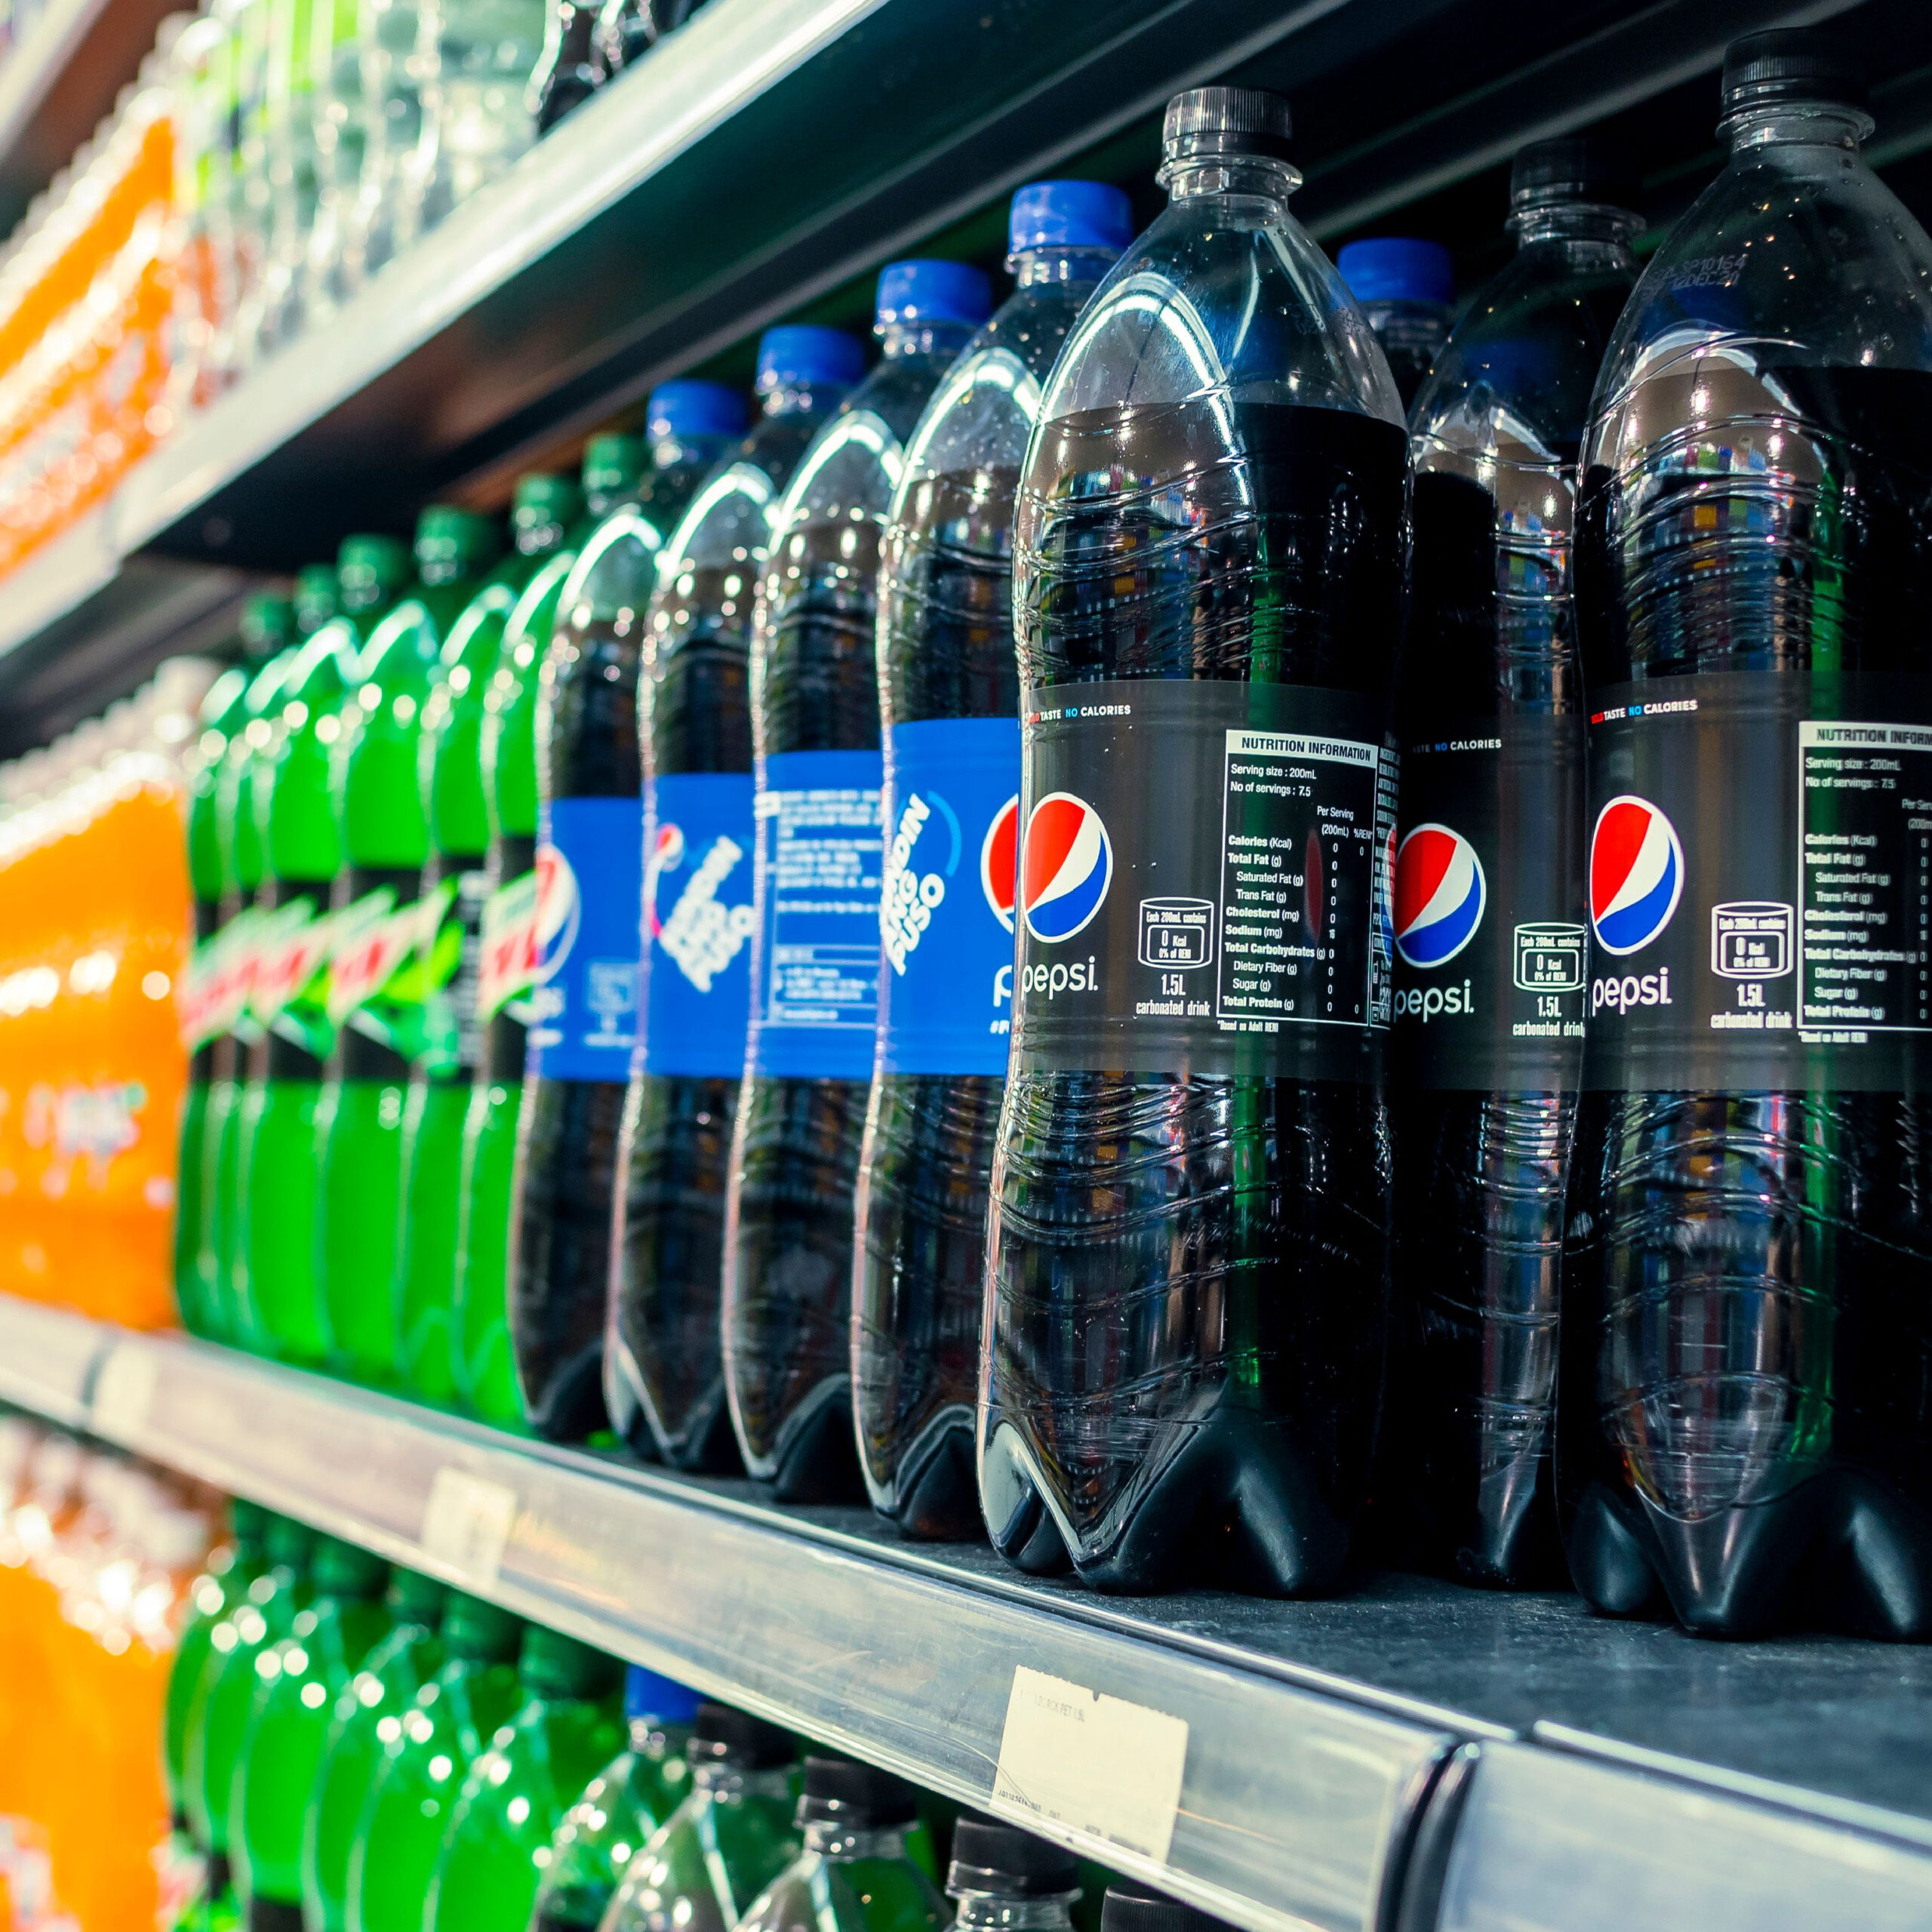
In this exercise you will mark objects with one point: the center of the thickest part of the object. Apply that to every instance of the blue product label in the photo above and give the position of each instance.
(589, 879)
(697, 904)
(945, 907)
(817, 964)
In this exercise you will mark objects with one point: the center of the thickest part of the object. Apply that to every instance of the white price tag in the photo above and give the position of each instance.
(466, 1523)
(1096, 1763)
(124, 1393)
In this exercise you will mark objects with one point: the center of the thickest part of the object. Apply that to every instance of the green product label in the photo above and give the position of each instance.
(391, 956)
(212, 998)
(509, 969)
(288, 987)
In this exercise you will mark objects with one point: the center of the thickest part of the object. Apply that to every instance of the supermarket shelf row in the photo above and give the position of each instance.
(1410, 1759)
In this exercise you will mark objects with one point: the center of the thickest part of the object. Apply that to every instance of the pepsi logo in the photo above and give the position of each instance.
(666, 856)
(999, 862)
(1636, 874)
(559, 908)
(1439, 895)
(1066, 867)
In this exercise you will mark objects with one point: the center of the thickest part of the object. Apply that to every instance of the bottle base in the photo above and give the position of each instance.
(930, 1493)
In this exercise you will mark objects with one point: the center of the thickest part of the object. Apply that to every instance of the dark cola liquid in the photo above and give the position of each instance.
(788, 1326)
(669, 1257)
(1187, 1289)
(1745, 1437)
(947, 652)
(567, 1131)
(1467, 1458)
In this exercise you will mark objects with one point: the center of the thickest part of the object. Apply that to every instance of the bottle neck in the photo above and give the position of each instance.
(728, 1783)
(674, 452)
(1002, 1911)
(796, 398)
(649, 1735)
(923, 338)
(539, 539)
(1796, 124)
(1258, 175)
(1590, 233)
(836, 1838)
(1037, 268)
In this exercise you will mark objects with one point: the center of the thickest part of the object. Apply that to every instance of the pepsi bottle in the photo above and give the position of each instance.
(1745, 1437)
(589, 859)
(663, 1373)
(949, 709)
(815, 957)
(1407, 288)
(1487, 1047)
(1187, 1251)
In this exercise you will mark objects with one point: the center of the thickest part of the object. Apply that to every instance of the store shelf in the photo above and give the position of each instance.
(1408, 1757)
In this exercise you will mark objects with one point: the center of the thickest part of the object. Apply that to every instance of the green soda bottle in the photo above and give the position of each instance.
(218, 1712)
(268, 622)
(367, 1713)
(1006, 1880)
(240, 840)
(854, 1872)
(728, 1840)
(302, 847)
(513, 1798)
(375, 1004)
(298, 1681)
(456, 878)
(621, 1807)
(543, 522)
(425, 1760)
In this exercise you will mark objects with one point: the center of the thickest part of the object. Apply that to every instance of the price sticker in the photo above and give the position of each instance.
(466, 1523)
(1095, 1764)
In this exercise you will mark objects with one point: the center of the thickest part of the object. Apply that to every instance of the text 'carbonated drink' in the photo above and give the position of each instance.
(1188, 1250)
(1487, 903)
(663, 1370)
(949, 710)
(589, 874)
(815, 957)
(1744, 1433)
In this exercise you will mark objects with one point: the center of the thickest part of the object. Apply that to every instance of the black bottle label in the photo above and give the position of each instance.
(1489, 907)
(1760, 867)
(1202, 880)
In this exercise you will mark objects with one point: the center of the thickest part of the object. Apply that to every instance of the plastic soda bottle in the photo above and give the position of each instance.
(949, 711)
(1407, 288)
(589, 873)
(663, 1373)
(815, 946)
(1489, 892)
(730, 1838)
(450, 772)
(1742, 1436)
(853, 1872)
(514, 1795)
(218, 1716)
(426, 1755)
(1134, 1908)
(380, 944)
(621, 1807)
(301, 847)
(288, 1724)
(1192, 1158)
(368, 1708)
(1006, 1880)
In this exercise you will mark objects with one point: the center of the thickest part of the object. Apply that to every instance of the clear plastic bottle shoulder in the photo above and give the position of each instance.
(1796, 254)
(1224, 292)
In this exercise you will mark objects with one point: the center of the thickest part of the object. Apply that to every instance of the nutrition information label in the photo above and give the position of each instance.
(1865, 915)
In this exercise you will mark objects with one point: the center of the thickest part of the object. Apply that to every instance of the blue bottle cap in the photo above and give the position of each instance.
(1398, 268)
(681, 410)
(648, 1695)
(1069, 214)
(801, 353)
(933, 291)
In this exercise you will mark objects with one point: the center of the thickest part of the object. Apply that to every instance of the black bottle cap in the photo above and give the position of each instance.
(845, 1792)
(1129, 1908)
(722, 1736)
(1226, 121)
(990, 1857)
(1793, 63)
(1575, 167)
